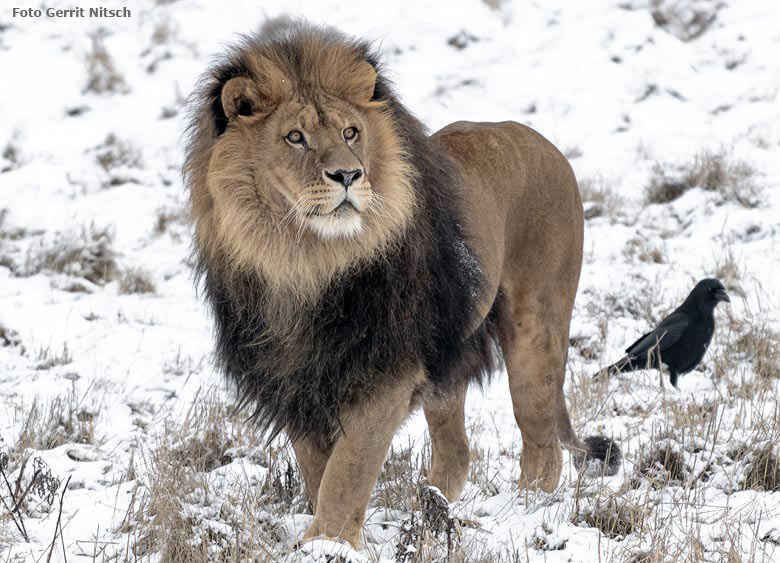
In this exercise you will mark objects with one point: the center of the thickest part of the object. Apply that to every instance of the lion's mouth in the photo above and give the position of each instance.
(344, 207)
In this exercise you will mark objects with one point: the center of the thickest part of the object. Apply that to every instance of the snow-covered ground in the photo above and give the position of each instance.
(106, 379)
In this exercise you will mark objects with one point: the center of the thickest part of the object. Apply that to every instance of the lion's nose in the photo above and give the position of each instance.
(344, 177)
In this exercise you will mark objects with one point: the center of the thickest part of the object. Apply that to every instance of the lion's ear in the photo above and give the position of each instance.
(261, 94)
(360, 86)
(241, 96)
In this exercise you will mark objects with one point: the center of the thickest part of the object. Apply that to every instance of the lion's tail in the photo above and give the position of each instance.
(593, 450)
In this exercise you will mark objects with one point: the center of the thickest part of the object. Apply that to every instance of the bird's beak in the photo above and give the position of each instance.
(721, 295)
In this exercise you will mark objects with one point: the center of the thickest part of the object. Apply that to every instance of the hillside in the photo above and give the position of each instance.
(669, 114)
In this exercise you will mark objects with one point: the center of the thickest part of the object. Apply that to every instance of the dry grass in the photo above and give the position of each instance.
(494, 4)
(114, 153)
(663, 465)
(167, 217)
(210, 490)
(615, 514)
(8, 337)
(713, 171)
(12, 156)
(163, 32)
(195, 513)
(685, 19)
(88, 254)
(764, 472)
(729, 271)
(643, 250)
(600, 198)
(47, 358)
(401, 478)
(102, 75)
(64, 420)
(755, 340)
(136, 280)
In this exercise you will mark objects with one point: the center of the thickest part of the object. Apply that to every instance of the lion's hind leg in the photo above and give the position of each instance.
(534, 354)
(446, 424)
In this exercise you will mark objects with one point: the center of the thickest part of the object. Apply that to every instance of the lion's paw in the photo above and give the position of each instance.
(324, 550)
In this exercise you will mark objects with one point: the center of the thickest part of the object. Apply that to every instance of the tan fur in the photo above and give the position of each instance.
(254, 219)
(524, 221)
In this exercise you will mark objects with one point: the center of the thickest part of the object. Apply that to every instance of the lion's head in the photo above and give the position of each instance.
(295, 168)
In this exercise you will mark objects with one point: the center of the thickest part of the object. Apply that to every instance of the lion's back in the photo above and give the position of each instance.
(520, 195)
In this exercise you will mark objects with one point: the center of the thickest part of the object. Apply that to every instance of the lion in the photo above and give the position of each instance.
(358, 268)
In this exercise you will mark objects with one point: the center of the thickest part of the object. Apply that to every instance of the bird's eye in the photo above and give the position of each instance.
(295, 137)
(350, 133)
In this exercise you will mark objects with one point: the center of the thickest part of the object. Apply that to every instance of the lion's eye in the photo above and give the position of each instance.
(295, 137)
(350, 133)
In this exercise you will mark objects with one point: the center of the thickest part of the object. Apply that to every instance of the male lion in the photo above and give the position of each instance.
(357, 267)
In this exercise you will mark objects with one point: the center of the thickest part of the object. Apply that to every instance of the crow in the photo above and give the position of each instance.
(682, 338)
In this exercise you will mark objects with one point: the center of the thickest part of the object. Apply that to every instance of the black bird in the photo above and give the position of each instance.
(681, 339)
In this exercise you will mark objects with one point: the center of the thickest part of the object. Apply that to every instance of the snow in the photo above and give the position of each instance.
(618, 93)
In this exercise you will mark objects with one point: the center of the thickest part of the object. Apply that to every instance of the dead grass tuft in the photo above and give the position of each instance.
(600, 198)
(12, 157)
(401, 478)
(764, 472)
(644, 251)
(163, 32)
(166, 217)
(685, 19)
(102, 75)
(713, 171)
(197, 511)
(614, 516)
(543, 539)
(87, 254)
(729, 271)
(115, 153)
(430, 533)
(757, 342)
(66, 419)
(48, 358)
(494, 4)
(8, 337)
(136, 280)
(664, 464)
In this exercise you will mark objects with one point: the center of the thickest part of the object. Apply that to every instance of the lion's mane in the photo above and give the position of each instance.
(412, 304)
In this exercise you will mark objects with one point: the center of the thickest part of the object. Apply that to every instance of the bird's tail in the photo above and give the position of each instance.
(623, 365)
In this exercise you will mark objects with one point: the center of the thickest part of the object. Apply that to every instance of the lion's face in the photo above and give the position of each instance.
(317, 167)
(308, 175)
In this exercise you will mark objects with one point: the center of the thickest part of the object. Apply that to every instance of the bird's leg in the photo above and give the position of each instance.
(673, 378)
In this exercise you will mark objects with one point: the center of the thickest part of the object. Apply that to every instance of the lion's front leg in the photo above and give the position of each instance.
(450, 463)
(312, 458)
(356, 461)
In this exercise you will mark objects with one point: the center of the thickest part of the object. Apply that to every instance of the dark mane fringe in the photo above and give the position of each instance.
(372, 324)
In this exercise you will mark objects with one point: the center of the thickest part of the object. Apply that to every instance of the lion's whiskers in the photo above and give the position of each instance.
(288, 216)
(308, 207)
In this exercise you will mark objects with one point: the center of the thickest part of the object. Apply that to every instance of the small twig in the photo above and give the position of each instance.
(13, 517)
(16, 515)
(58, 526)
(19, 500)
(15, 494)
(94, 547)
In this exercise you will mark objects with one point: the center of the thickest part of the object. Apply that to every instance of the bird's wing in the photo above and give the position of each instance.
(667, 334)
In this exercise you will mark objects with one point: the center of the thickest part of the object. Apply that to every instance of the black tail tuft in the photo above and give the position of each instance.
(603, 450)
